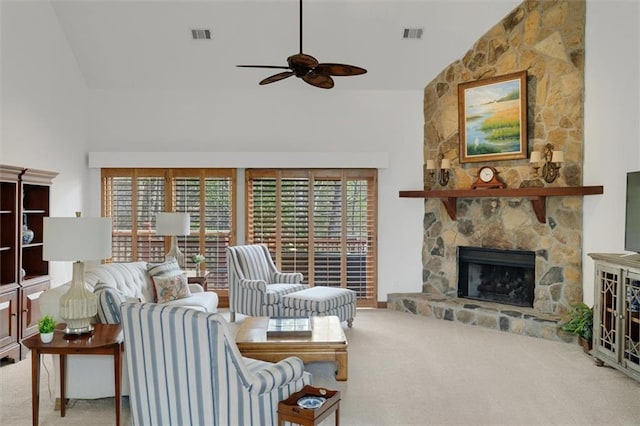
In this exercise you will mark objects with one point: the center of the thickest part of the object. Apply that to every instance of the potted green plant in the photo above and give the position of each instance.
(580, 323)
(46, 326)
(198, 260)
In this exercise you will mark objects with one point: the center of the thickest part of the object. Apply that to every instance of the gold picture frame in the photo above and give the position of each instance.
(492, 118)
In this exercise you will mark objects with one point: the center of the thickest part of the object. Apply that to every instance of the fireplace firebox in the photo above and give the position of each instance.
(502, 276)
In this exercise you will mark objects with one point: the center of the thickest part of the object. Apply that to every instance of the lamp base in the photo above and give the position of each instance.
(78, 306)
(74, 333)
(78, 330)
(175, 253)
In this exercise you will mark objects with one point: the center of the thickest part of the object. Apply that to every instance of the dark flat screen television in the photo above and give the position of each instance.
(632, 218)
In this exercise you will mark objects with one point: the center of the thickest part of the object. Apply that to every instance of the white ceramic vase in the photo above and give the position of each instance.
(46, 337)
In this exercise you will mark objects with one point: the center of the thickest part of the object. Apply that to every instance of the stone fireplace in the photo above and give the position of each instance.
(547, 40)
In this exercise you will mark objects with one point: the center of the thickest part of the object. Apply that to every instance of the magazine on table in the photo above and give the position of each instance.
(295, 326)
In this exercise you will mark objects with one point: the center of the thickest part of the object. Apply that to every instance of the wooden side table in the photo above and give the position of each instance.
(290, 411)
(106, 339)
(198, 277)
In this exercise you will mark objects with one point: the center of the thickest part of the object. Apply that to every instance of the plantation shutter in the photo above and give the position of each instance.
(361, 219)
(132, 198)
(321, 223)
(118, 204)
(207, 196)
(261, 201)
(294, 225)
(328, 224)
(150, 192)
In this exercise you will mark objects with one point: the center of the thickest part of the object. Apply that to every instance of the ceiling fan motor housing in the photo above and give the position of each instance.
(301, 64)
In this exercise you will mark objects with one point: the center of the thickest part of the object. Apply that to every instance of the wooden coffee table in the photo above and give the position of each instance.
(326, 343)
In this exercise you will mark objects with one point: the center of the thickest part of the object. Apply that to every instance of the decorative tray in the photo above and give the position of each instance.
(311, 401)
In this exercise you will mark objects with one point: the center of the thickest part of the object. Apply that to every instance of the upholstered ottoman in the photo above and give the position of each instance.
(321, 301)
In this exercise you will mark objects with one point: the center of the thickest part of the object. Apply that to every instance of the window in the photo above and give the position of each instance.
(321, 223)
(133, 197)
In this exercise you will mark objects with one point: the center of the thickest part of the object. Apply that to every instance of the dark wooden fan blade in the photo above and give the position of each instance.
(321, 81)
(338, 69)
(280, 67)
(276, 77)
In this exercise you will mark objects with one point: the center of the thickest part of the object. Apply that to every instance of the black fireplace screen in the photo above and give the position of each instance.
(502, 276)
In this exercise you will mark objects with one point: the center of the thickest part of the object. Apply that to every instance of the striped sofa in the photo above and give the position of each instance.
(185, 369)
(256, 287)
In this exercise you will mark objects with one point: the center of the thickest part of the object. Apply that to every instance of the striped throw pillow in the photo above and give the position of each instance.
(109, 300)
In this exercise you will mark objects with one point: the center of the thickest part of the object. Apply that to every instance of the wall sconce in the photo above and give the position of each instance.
(441, 175)
(551, 161)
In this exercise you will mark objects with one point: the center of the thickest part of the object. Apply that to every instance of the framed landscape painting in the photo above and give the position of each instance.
(492, 118)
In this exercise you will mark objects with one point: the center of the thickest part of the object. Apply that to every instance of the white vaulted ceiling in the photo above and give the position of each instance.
(144, 44)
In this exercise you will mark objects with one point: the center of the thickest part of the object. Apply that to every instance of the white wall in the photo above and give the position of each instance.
(294, 121)
(44, 107)
(612, 120)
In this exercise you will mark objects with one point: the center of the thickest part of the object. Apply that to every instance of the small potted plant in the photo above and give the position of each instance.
(198, 260)
(46, 326)
(580, 323)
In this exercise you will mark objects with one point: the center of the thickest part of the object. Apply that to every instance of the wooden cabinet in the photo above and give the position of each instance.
(9, 249)
(616, 312)
(24, 275)
(9, 346)
(29, 306)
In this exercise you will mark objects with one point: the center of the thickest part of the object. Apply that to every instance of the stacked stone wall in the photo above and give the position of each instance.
(545, 38)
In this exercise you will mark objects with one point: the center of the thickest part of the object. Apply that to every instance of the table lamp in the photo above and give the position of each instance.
(173, 224)
(77, 239)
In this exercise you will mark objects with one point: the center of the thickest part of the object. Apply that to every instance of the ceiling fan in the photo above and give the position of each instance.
(308, 68)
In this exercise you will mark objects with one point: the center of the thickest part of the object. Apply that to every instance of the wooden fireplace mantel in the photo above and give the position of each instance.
(538, 196)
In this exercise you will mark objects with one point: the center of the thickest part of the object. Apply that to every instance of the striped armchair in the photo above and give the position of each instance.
(255, 285)
(185, 369)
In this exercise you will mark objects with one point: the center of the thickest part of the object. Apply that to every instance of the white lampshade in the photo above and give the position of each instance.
(445, 164)
(76, 238)
(558, 157)
(431, 164)
(536, 157)
(173, 224)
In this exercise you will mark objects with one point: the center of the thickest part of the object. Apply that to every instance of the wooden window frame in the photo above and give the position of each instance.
(313, 176)
(169, 175)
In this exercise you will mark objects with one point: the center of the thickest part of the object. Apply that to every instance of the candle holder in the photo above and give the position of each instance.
(549, 160)
(441, 175)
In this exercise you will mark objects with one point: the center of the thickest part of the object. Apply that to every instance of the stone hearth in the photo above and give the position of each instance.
(517, 320)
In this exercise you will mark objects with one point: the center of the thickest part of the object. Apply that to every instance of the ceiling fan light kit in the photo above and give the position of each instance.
(308, 68)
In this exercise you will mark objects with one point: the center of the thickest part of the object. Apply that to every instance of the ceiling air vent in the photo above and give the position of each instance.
(201, 34)
(412, 33)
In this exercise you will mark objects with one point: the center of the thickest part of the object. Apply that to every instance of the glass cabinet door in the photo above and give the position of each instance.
(607, 322)
(631, 328)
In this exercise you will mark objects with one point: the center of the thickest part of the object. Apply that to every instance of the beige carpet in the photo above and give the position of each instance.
(411, 370)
